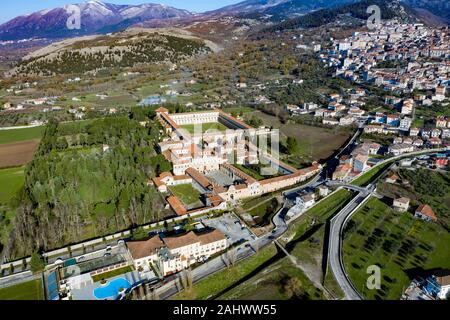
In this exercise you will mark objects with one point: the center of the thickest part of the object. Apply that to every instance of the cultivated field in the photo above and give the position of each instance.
(400, 244)
(16, 135)
(17, 153)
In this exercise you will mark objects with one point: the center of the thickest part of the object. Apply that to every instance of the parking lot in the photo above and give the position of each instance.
(231, 226)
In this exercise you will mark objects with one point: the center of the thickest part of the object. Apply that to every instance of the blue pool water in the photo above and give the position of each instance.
(111, 290)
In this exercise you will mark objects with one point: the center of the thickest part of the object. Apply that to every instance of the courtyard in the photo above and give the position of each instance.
(204, 127)
(187, 194)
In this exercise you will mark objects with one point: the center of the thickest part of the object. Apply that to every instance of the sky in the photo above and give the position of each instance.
(12, 9)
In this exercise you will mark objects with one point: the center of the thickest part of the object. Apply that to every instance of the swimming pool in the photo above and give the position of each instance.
(111, 290)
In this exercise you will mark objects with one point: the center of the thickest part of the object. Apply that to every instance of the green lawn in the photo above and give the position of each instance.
(186, 193)
(11, 181)
(111, 274)
(397, 242)
(371, 175)
(31, 290)
(251, 172)
(218, 282)
(205, 127)
(16, 135)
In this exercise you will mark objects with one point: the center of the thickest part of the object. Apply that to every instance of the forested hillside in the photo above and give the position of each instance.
(388, 9)
(87, 181)
(113, 52)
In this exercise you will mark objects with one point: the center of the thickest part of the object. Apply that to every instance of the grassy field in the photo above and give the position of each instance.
(265, 211)
(31, 290)
(370, 175)
(400, 244)
(315, 143)
(16, 135)
(219, 282)
(187, 194)
(252, 173)
(11, 181)
(204, 127)
(252, 202)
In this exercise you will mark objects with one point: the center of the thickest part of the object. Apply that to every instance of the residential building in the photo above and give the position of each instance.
(401, 148)
(425, 212)
(401, 204)
(342, 172)
(392, 178)
(173, 254)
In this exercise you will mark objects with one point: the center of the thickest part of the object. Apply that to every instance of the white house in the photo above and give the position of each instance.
(173, 254)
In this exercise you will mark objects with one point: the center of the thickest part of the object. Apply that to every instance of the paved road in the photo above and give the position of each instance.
(335, 245)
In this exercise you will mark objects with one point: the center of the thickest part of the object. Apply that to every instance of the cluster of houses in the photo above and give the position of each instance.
(357, 162)
(425, 51)
(402, 204)
(338, 112)
(433, 286)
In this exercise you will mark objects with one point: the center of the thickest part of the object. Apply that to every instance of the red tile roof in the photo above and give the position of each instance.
(426, 210)
(181, 241)
(141, 249)
(176, 205)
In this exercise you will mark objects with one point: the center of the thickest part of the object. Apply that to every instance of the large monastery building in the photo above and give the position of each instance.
(206, 160)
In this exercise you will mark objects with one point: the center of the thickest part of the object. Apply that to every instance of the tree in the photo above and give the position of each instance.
(37, 263)
(293, 288)
(292, 145)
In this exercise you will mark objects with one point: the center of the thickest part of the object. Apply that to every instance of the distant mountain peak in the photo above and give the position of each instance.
(96, 16)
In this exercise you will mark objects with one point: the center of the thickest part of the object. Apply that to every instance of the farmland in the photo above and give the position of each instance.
(17, 153)
(16, 135)
(400, 244)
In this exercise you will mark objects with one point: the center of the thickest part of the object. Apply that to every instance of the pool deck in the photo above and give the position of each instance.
(87, 292)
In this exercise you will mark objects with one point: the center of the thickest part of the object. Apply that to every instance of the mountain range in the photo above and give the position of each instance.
(98, 17)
